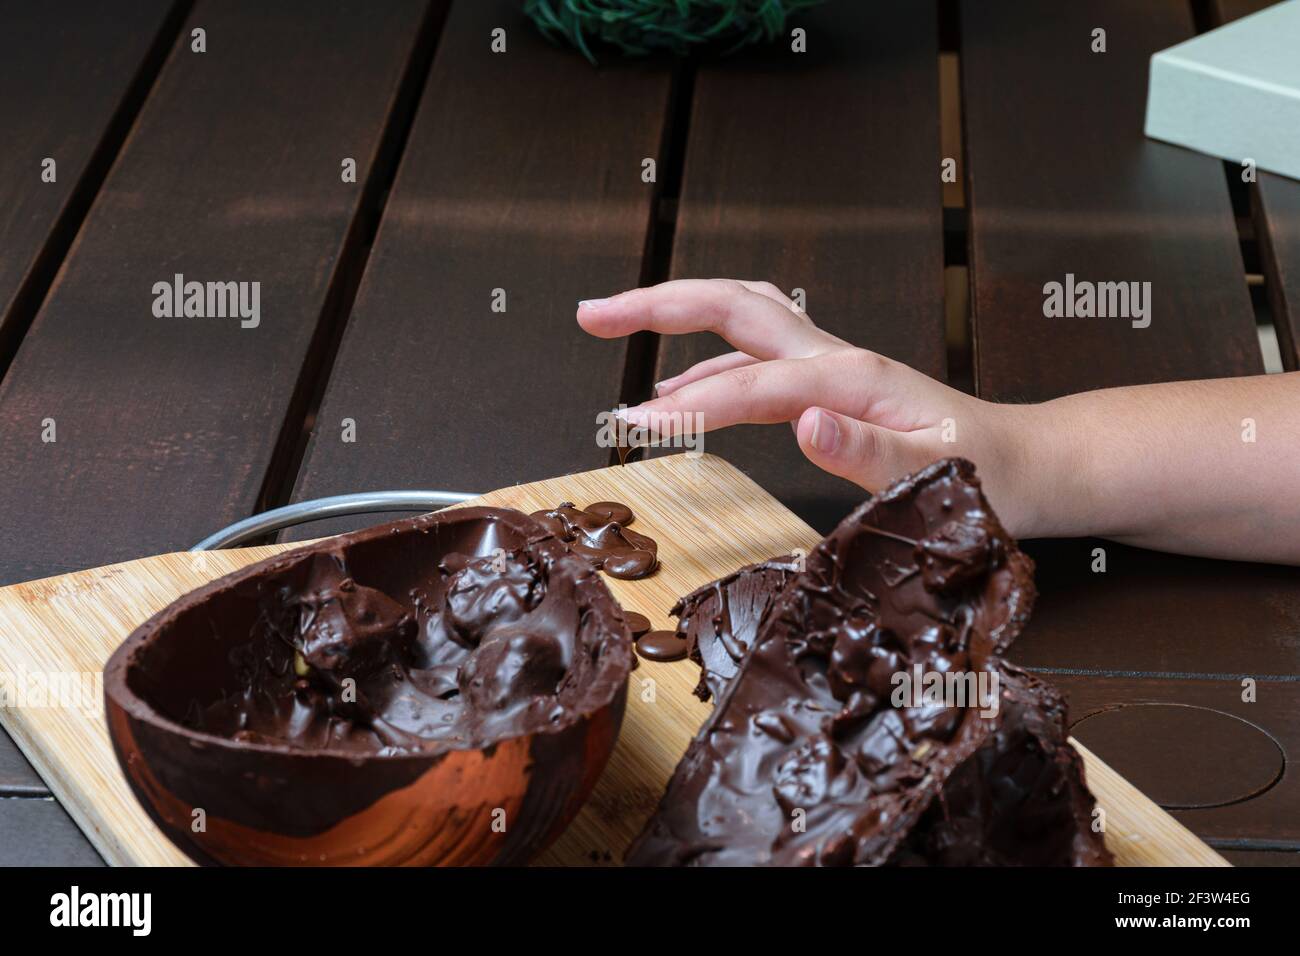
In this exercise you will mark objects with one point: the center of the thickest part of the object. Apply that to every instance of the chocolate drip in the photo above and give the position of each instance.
(625, 450)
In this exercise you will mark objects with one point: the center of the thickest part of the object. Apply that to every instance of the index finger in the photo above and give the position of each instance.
(750, 321)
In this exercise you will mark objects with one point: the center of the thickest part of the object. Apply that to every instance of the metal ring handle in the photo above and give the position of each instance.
(363, 502)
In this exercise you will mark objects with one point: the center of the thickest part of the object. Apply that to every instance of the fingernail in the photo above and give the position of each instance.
(825, 433)
(633, 416)
(591, 303)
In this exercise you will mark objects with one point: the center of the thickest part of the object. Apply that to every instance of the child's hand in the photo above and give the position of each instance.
(856, 414)
(1203, 468)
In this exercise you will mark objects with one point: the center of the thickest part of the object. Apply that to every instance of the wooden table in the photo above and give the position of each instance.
(521, 172)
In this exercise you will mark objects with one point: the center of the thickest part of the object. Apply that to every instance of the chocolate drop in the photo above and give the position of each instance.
(662, 646)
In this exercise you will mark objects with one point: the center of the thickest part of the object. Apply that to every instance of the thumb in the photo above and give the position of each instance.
(863, 453)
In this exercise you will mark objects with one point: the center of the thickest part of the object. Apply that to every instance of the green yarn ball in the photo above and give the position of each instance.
(641, 27)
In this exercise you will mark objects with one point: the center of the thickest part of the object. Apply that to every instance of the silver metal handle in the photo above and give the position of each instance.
(363, 502)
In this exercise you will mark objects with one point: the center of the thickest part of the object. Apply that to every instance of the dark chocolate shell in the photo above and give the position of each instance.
(443, 690)
(813, 756)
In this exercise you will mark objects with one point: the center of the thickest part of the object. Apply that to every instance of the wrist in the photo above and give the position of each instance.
(1043, 488)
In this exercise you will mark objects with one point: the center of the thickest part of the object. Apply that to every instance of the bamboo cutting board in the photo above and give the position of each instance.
(708, 519)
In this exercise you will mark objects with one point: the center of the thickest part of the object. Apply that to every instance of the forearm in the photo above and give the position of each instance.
(1207, 467)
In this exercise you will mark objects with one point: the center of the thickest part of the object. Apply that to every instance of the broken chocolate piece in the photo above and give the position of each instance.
(816, 754)
(1019, 800)
(720, 620)
(955, 554)
(599, 533)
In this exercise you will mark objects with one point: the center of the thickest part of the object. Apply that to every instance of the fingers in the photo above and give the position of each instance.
(769, 290)
(728, 360)
(865, 454)
(761, 393)
(853, 382)
(720, 363)
(753, 322)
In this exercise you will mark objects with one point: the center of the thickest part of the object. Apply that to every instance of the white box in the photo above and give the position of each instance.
(1233, 92)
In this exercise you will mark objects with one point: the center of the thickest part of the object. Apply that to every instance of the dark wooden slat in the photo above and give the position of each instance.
(166, 427)
(65, 74)
(820, 171)
(1218, 763)
(1276, 210)
(522, 173)
(1160, 613)
(1063, 181)
(1066, 182)
(40, 833)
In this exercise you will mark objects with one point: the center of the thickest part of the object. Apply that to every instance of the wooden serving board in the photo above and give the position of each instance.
(708, 519)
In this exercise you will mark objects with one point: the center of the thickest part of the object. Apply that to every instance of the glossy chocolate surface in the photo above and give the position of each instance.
(809, 759)
(600, 534)
(487, 648)
(372, 697)
(662, 646)
(720, 620)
